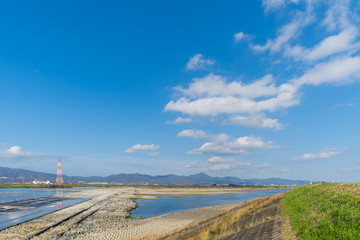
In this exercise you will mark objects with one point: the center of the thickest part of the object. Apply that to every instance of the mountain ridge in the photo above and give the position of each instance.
(15, 175)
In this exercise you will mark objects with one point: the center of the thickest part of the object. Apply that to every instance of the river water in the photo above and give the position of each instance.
(179, 203)
(19, 205)
(17, 194)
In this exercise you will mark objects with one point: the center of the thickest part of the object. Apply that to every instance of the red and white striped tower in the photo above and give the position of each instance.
(59, 177)
(59, 180)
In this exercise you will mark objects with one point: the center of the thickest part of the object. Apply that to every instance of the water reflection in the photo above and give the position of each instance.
(20, 205)
(59, 194)
(21, 215)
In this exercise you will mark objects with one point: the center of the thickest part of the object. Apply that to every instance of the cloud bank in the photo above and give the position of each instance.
(334, 59)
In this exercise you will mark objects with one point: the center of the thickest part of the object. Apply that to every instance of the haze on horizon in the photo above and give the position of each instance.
(252, 89)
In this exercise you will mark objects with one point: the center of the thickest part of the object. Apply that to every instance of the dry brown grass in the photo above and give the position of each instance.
(353, 188)
(287, 232)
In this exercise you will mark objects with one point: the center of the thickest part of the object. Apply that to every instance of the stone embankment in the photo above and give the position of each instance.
(257, 219)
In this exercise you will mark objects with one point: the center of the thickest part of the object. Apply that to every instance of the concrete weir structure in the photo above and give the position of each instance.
(106, 216)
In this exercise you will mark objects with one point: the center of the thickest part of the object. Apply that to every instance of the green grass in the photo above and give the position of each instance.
(324, 211)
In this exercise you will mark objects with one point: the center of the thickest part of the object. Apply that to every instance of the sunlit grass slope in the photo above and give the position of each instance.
(324, 211)
(236, 220)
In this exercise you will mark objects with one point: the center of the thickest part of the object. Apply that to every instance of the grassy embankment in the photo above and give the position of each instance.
(324, 211)
(327, 211)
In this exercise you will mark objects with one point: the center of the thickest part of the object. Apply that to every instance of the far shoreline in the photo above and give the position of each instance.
(106, 202)
(146, 186)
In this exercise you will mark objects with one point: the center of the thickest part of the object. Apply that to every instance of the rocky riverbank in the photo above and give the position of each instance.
(107, 216)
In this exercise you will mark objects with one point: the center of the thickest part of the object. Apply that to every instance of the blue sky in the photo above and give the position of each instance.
(252, 89)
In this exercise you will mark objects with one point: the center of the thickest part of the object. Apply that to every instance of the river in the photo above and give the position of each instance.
(177, 203)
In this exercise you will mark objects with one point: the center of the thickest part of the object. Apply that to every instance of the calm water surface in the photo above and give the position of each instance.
(16, 194)
(168, 204)
(8, 195)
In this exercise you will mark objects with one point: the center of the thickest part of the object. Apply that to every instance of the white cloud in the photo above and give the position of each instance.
(340, 105)
(198, 61)
(212, 106)
(220, 167)
(331, 45)
(223, 145)
(285, 34)
(337, 15)
(228, 166)
(240, 36)
(255, 121)
(179, 120)
(217, 159)
(263, 166)
(339, 70)
(143, 149)
(218, 149)
(152, 153)
(334, 59)
(193, 133)
(217, 86)
(276, 4)
(271, 4)
(213, 96)
(191, 165)
(17, 152)
(289, 31)
(241, 164)
(313, 156)
(284, 170)
(252, 142)
(351, 169)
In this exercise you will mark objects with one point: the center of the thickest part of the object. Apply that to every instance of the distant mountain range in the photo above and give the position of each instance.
(11, 175)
